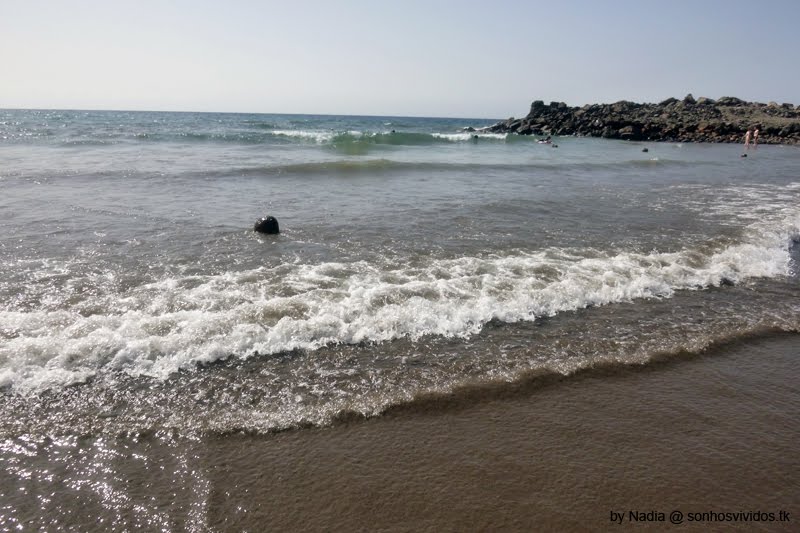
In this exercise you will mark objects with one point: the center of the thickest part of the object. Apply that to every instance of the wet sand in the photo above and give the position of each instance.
(716, 432)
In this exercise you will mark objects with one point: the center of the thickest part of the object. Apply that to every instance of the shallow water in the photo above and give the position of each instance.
(413, 258)
(139, 310)
(697, 434)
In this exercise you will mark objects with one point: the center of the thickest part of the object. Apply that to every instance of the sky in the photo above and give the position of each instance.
(465, 58)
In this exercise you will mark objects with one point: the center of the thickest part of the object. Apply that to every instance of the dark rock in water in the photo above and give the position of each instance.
(743, 155)
(469, 128)
(645, 150)
(725, 282)
(267, 225)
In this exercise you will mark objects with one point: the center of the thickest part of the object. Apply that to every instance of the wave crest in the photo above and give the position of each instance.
(159, 328)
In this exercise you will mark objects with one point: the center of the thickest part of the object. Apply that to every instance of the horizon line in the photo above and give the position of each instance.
(238, 113)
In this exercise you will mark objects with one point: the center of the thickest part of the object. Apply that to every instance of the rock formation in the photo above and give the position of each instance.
(687, 120)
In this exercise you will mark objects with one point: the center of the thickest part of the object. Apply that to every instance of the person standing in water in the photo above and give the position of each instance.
(755, 137)
(747, 138)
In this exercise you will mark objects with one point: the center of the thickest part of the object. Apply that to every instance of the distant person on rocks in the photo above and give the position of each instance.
(755, 137)
(747, 138)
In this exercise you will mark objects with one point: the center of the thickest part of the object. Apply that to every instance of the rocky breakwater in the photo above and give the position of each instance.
(688, 120)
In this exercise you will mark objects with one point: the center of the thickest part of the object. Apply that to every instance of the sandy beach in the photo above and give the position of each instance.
(712, 433)
(510, 286)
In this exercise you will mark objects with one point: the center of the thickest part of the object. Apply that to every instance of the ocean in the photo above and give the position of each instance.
(417, 263)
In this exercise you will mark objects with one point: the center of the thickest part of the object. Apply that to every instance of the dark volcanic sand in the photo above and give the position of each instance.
(717, 432)
(720, 432)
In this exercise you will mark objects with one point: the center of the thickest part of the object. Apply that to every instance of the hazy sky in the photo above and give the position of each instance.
(432, 57)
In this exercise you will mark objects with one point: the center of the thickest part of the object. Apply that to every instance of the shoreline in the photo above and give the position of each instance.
(716, 432)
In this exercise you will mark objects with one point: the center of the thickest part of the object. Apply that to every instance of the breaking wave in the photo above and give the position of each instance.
(159, 328)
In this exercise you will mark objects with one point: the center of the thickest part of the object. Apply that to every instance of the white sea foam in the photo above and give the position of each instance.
(459, 137)
(159, 328)
(318, 136)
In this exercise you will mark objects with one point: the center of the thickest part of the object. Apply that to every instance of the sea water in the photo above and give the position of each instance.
(414, 257)
(144, 326)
